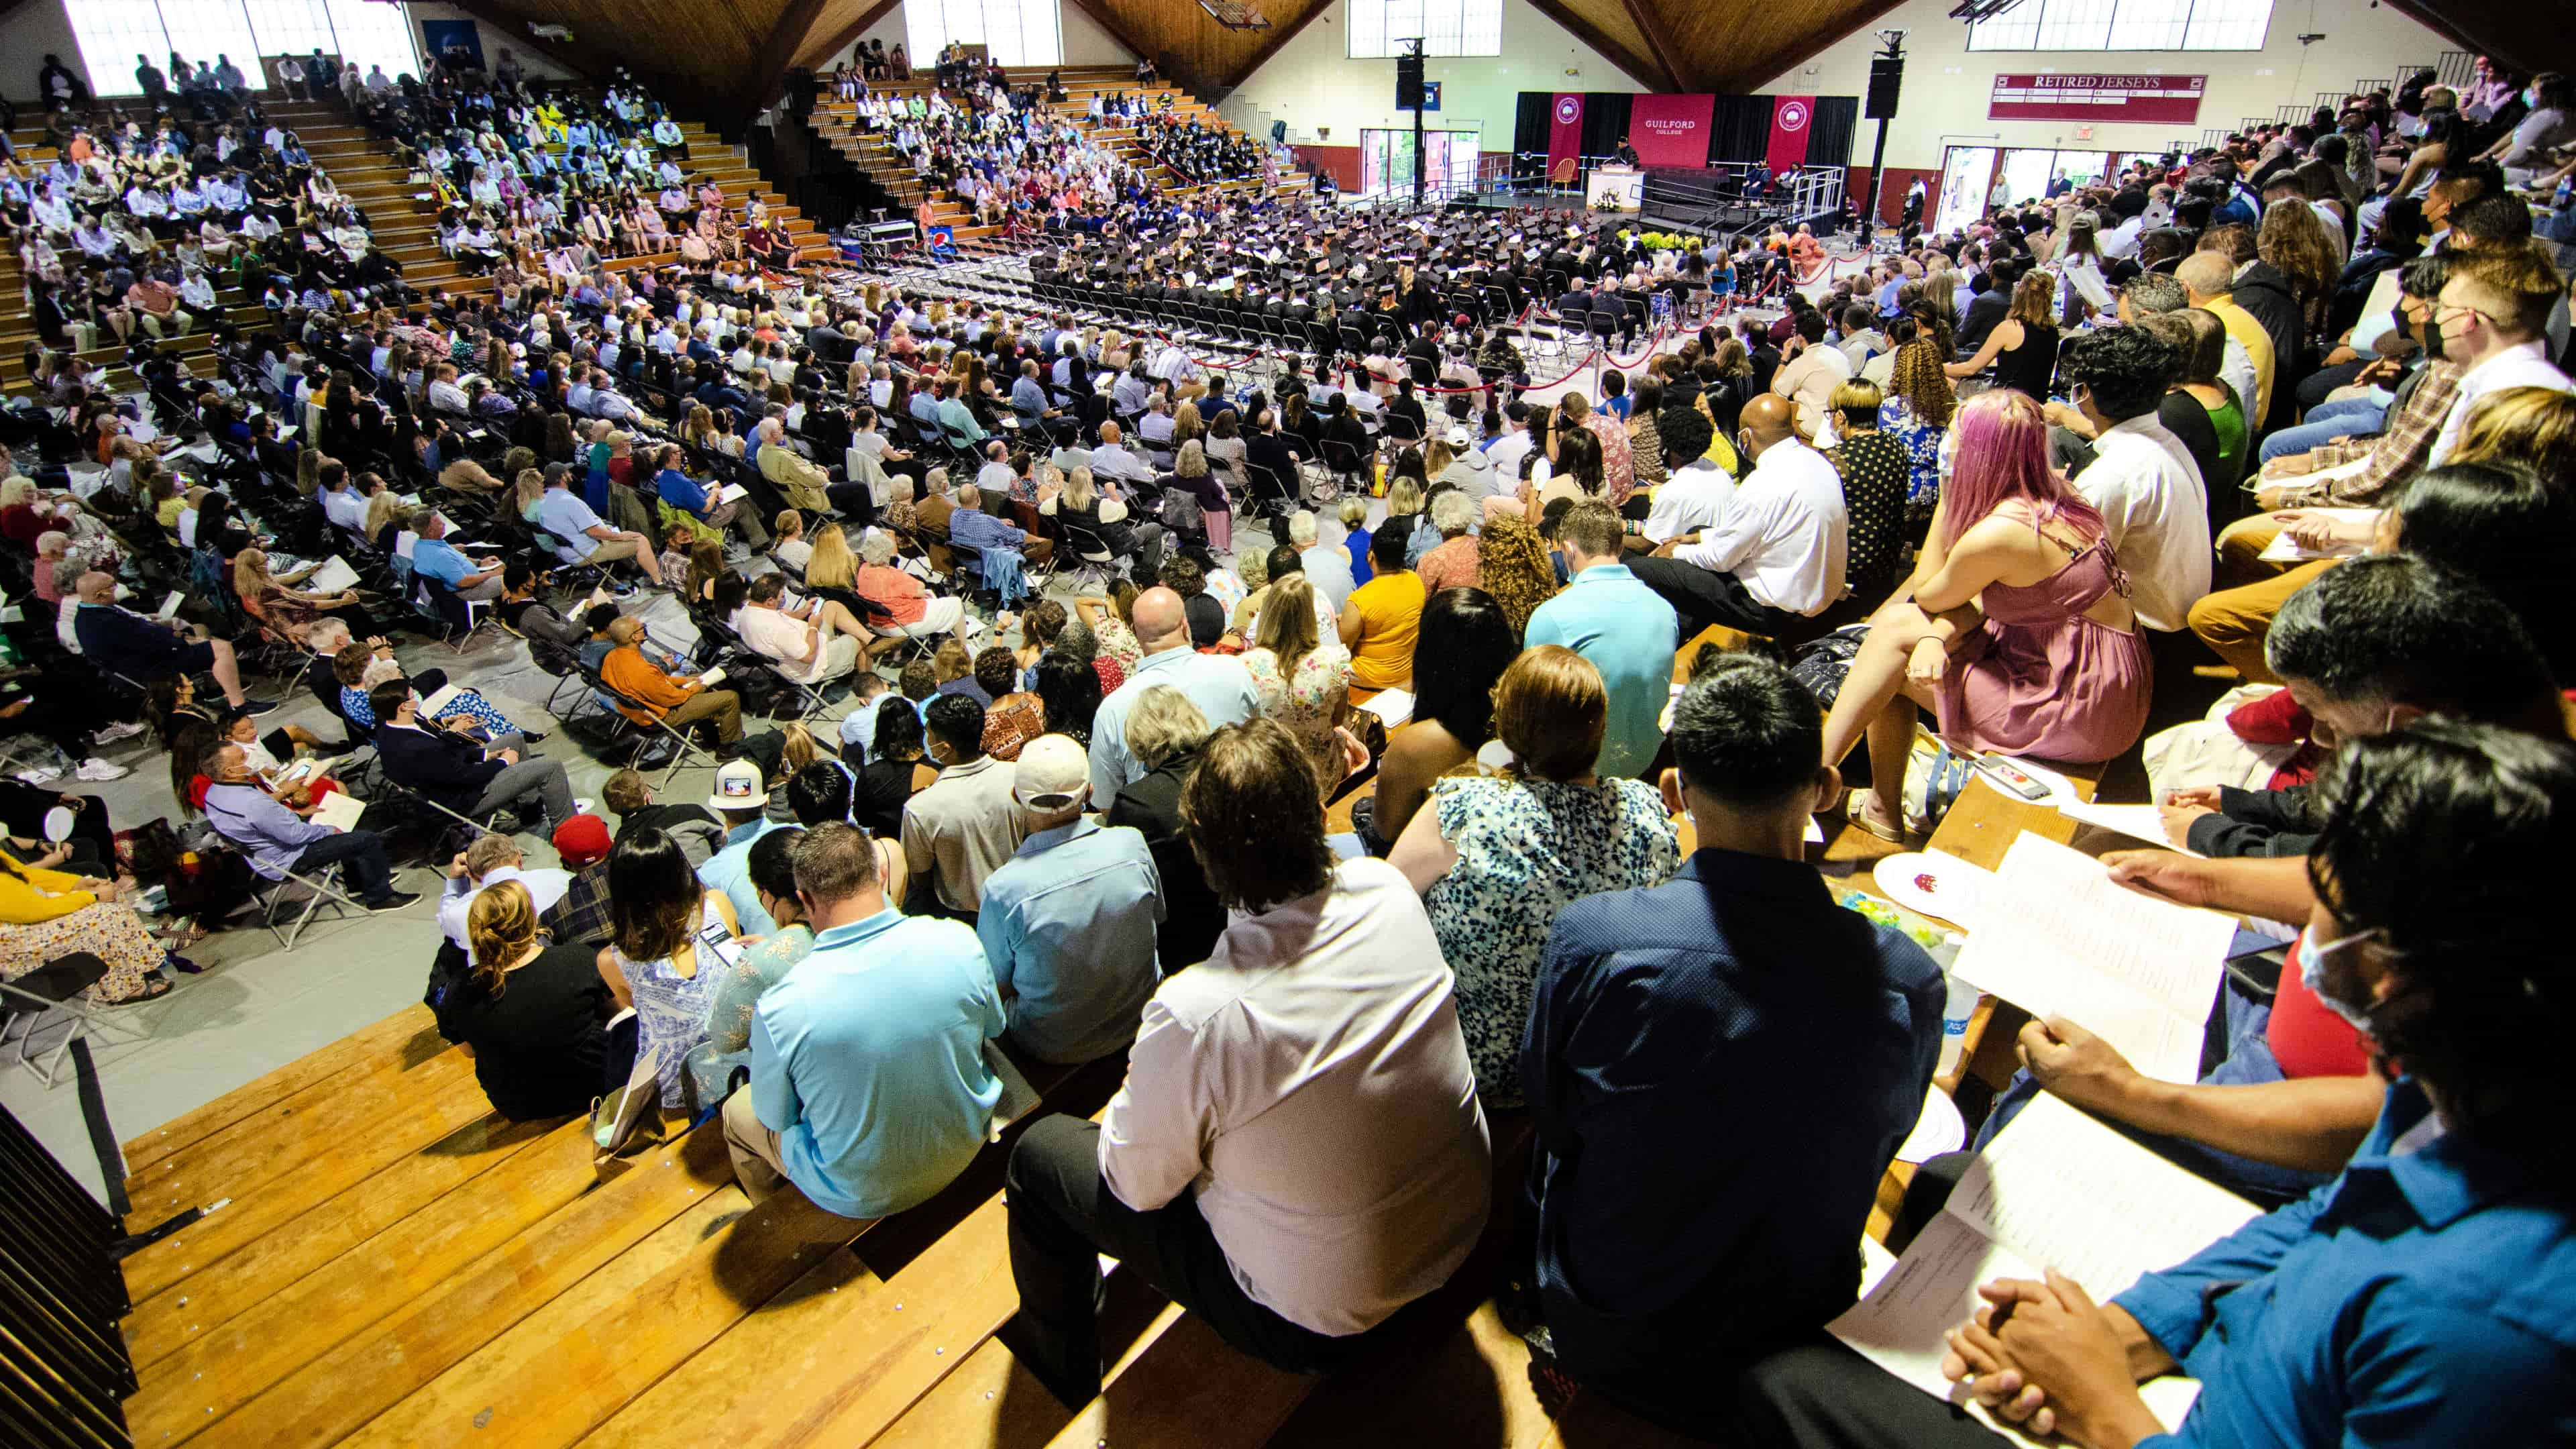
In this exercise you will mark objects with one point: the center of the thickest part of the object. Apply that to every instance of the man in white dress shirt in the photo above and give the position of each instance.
(490, 860)
(1777, 556)
(2154, 505)
(1698, 491)
(2494, 316)
(1298, 1151)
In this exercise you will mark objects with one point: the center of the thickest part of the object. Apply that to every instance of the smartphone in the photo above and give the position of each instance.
(2011, 778)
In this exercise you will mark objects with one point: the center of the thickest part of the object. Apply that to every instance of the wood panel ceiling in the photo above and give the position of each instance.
(733, 52)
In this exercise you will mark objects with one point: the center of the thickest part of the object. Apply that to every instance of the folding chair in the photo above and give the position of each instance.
(320, 889)
(55, 986)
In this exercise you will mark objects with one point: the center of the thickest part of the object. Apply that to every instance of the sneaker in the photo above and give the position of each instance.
(393, 901)
(112, 733)
(95, 768)
(260, 706)
(40, 775)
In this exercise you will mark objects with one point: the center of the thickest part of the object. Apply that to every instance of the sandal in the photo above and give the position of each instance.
(1860, 808)
(159, 987)
(181, 939)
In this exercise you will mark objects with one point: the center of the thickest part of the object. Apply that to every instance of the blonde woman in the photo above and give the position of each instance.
(291, 611)
(830, 564)
(791, 550)
(1304, 679)
(530, 1014)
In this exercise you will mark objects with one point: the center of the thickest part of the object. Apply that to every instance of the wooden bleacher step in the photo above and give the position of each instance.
(393, 1034)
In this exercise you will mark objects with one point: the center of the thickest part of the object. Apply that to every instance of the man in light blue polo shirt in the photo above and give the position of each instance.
(434, 557)
(567, 516)
(1625, 628)
(1068, 921)
(741, 800)
(869, 1088)
(1218, 684)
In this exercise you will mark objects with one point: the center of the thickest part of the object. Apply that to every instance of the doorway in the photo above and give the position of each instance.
(1967, 174)
(1386, 159)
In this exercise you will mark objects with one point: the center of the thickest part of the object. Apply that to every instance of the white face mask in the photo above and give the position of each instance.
(2312, 974)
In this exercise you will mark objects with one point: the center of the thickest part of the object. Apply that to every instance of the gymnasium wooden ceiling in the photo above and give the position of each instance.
(733, 53)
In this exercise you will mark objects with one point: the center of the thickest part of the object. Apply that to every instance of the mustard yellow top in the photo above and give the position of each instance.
(23, 901)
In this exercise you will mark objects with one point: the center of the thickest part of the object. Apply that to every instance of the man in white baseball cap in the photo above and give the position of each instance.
(1068, 921)
(741, 800)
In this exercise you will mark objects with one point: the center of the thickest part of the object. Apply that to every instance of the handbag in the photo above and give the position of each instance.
(627, 1122)
(1934, 776)
(1821, 665)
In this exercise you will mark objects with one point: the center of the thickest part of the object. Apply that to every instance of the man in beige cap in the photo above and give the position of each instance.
(1068, 921)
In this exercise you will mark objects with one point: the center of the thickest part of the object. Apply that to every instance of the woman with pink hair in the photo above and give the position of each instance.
(2014, 630)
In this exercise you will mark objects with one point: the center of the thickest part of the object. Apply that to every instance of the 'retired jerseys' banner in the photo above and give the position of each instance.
(1792, 117)
(1564, 129)
(1671, 130)
(2163, 100)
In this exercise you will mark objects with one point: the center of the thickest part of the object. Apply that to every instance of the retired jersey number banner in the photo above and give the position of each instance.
(2149, 99)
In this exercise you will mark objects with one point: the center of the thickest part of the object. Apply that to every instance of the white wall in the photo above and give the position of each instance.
(30, 33)
(1085, 42)
(1947, 85)
(1310, 83)
(495, 40)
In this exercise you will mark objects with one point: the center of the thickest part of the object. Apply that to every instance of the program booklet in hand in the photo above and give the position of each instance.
(711, 678)
(334, 576)
(340, 810)
(2056, 936)
(2055, 1189)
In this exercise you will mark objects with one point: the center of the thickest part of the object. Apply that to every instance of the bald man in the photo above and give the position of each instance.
(145, 649)
(2210, 278)
(1217, 683)
(1775, 559)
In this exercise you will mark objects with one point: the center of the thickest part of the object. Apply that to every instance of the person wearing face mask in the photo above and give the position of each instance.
(2418, 1300)
(2367, 649)
(1776, 558)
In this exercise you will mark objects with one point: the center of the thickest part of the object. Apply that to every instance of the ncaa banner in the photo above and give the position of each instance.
(1671, 130)
(1791, 119)
(1564, 129)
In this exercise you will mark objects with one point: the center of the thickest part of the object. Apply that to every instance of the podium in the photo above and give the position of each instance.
(1623, 187)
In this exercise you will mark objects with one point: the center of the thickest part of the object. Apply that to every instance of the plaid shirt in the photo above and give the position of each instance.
(2405, 441)
(581, 917)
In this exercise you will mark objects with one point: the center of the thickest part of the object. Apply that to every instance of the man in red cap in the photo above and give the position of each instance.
(581, 917)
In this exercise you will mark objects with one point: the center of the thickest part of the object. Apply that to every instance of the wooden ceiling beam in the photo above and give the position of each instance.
(1659, 39)
(1645, 74)
(769, 66)
(1278, 39)
(816, 55)
(515, 27)
(1746, 78)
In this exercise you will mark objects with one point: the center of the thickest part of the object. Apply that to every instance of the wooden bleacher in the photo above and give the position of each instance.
(393, 1264)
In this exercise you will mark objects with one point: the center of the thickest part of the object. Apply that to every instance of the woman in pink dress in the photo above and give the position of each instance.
(2015, 629)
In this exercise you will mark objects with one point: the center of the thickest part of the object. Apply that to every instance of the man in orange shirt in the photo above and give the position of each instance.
(647, 693)
(157, 303)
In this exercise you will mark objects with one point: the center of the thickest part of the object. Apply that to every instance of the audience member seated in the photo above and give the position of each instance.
(457, 774)
(143, 650)
(490, 861)
(655, 965)
(1777, 557)
(869, 1088)
(1069, 921)
(2437, 837)
(1384, 616)
(740, 985)
(1165, 732)
(1297, 1152)
(2142, 480)
(1465, 645)
(581, 534)
(2014, 629)
(1303, 678)
(1496, 858)
(647, 693)
(276, 839)
(530, 1013)
(1623, 627)
(812, 650)
(961, 829)
(1691, 1213)
(1220, 686)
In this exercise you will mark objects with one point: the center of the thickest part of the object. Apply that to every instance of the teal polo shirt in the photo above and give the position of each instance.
(867, 1061)
(1629, 633)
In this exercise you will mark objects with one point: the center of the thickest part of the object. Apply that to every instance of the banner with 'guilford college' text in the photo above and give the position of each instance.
(1671, 130)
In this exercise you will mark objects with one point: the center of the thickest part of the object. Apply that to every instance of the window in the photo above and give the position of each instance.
(1015, 32)
(2121, 25)
(111, 32)
(1378, 28)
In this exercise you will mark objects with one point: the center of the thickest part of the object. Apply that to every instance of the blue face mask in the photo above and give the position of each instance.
(2312, 974)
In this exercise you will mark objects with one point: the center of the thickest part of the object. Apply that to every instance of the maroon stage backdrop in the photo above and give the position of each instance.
(1792, 117)
(1671, 130)
(2151, 99)
(1565, 129)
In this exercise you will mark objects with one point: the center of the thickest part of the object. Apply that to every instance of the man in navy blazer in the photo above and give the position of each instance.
(457, 773)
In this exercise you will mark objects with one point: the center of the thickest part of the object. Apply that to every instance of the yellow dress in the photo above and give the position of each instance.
(45, 917)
